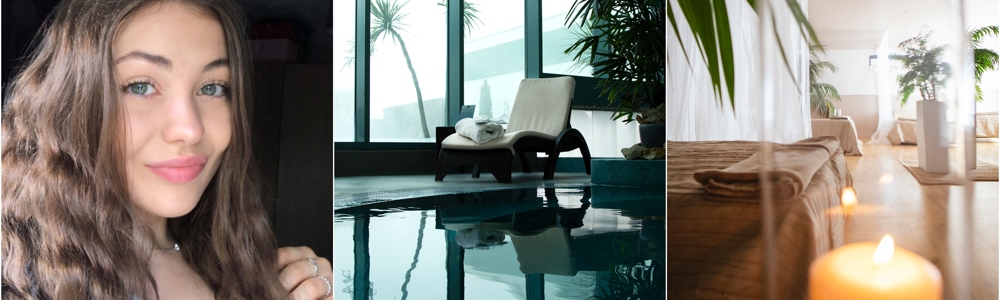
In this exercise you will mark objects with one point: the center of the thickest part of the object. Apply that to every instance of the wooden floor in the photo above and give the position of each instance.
(892, 201)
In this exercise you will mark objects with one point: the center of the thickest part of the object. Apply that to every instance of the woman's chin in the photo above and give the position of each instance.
(175, 211)
(169, 207)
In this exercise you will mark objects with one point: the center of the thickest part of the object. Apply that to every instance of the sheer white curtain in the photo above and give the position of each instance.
(693, 111)
(886, 92)
(792, 119)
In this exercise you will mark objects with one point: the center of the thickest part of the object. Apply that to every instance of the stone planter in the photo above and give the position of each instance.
(932, 141)
(653, 135)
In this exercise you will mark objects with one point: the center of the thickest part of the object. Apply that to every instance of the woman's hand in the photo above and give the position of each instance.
(307, 276)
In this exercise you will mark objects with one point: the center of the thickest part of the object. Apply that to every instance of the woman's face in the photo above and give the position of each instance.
(172, 71)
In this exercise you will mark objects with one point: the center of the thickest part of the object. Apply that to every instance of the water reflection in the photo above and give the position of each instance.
(546, 243)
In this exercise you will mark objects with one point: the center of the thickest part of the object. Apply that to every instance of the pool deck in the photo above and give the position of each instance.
(360, 190)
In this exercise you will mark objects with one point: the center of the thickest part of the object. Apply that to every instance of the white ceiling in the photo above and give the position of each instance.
(860, 24)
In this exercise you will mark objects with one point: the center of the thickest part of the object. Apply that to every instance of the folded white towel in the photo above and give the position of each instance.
(486, 119)
(479, 238)
(479, 133)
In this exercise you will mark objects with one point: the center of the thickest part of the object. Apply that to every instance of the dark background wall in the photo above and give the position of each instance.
(20, 20)
(292, 123)
(305, 160)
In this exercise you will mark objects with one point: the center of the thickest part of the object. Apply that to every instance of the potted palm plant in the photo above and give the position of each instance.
(820, 93)
(926, 73)
(627, 49)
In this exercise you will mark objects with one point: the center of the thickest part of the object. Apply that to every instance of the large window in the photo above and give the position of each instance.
(556, 37)
(406, 75)
(343, 72)
(494, 56)
(408, 70)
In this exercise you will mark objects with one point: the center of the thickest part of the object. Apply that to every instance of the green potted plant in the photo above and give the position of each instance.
(984, 59)
(925, 72)
(821, 93)
(627, 49)
(653, 126)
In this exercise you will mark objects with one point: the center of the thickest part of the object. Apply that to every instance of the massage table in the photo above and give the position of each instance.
(714, 248)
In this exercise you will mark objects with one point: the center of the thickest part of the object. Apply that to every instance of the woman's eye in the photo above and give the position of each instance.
(140, 88)
(215, 90)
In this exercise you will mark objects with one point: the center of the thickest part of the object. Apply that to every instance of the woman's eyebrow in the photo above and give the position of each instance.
(222, 62)
(152, 58)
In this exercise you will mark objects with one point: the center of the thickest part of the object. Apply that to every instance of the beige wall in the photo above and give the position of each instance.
(857, 86)
(863, 109)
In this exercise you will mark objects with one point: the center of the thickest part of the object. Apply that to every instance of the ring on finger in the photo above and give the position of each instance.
(315, 267)
(329, 287)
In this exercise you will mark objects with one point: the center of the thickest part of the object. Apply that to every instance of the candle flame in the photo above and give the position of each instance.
(849, 199)
(884, 251)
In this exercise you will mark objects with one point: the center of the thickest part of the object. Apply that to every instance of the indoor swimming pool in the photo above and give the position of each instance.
(584, 242)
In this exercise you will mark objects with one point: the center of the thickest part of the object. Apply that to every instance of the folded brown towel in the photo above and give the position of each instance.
(793, 167)
(830, 143)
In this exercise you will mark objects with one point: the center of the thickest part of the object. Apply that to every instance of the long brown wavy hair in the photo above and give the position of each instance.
(70, 230)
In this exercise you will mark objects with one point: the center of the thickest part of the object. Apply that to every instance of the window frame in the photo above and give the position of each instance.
(586, 96)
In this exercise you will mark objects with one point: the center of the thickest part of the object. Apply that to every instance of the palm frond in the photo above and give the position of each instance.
(387, 19)
(581, 33)
(979, 33)
(624, 42)
(821, 93)
(984, 60)
(824, 91)
(819, 68)
(352, 52)
(470, 17)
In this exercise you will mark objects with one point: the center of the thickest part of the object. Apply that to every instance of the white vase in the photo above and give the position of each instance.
(932, 141)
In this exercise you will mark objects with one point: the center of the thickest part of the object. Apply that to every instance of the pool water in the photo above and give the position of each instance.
(587, 242)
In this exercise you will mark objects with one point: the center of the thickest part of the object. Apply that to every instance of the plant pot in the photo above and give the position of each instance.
(932, 141)
(653, 135)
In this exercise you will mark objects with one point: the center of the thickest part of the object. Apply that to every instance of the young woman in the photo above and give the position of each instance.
(127, 171)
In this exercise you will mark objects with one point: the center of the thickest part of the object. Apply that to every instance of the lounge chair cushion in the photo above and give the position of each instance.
(542, 105)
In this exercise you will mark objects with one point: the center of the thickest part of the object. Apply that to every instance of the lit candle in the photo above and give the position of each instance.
(849, 199)
(873, 271)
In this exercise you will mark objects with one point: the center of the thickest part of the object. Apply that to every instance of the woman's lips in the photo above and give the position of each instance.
(179, 170)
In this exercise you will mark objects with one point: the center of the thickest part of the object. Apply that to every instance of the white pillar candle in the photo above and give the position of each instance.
(873, 271)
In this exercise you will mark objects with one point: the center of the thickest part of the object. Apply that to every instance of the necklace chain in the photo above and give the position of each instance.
(176, 247)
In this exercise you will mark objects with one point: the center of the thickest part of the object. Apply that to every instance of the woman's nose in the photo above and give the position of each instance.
(183, 120)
